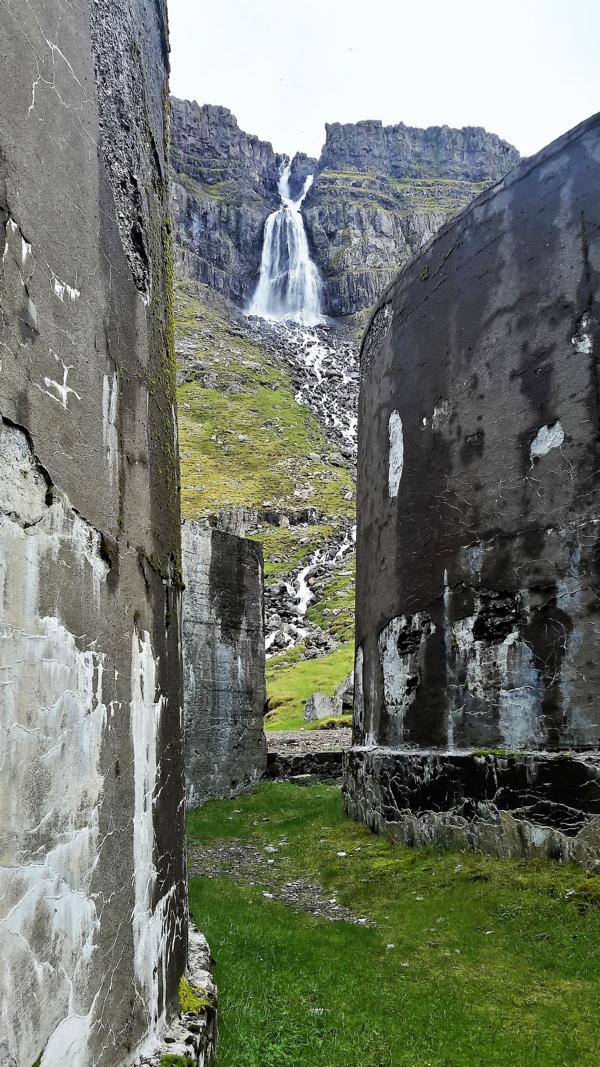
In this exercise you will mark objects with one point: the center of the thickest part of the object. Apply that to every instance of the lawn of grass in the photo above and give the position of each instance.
(475, 962)
(290, 682)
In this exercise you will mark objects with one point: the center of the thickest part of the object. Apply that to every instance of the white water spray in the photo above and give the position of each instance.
(289, 286)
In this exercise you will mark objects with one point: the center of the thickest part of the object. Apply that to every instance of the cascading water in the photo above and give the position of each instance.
(289, 286)
(289, 293)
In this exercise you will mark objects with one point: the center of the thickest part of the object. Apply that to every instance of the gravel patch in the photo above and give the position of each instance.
(261, 867)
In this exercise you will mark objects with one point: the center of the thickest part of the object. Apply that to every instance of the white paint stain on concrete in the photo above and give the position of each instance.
(149, 940)
(498, 677)
(110, 433)
(396, 453)
(401, 670)
(441, 416)
(582, 339)
(359, 690)
(548, 437)
(59, 391)
(63, 291)
(52, 720)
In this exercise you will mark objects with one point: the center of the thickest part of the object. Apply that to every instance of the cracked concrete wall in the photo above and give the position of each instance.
(478, 573)
(92, 878)
(224, 663)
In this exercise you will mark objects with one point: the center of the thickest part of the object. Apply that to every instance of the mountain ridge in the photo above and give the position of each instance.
(379, 193)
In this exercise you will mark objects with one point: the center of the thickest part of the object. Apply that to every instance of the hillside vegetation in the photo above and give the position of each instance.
(246, 443)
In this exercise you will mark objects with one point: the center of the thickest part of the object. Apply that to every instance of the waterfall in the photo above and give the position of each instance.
(289, 286)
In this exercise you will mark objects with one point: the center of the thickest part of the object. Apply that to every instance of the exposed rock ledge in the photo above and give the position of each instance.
(529, 805)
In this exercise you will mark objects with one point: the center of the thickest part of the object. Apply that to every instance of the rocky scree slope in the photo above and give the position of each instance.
(379, 194)
(267, 435)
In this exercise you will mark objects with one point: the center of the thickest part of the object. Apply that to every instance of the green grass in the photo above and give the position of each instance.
(243, 439)
(333, 722)
(290, 682)
(494, 963)
(283, 548)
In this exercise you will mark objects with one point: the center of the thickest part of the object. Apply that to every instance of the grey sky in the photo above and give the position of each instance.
(525, 69)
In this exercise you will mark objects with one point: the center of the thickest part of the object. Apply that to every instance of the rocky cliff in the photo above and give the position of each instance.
(380, 192)
(224, 187)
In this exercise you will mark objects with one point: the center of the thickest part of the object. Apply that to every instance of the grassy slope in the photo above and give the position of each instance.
(476, 962)
(290, 682)
(402, 198)
(244, 440)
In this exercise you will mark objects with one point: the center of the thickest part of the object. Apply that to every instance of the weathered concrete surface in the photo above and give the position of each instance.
(224, 663)
(192, 1035)
(477, 575)
(92, 888)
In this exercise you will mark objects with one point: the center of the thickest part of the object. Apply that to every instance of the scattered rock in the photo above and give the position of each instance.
(345, 693)
(321, 706)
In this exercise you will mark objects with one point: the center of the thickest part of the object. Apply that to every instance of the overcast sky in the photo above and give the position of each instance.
(525, 69)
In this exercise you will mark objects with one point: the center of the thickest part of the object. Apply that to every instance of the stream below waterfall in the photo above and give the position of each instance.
(288, 304)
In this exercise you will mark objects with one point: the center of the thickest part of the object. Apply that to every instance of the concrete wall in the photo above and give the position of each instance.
(477, 572)
(224, 663)
(92, 888)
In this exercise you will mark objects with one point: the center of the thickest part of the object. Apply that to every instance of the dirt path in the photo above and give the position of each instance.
(263, 868)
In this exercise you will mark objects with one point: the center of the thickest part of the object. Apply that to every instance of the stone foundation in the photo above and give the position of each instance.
(529, 805)
(289, 766)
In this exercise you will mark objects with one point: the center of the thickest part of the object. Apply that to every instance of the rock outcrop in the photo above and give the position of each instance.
(381, 192)
(93, 915)
(477, 569)
(224, 663)
(469, 154)
(321, 706)
(224, 187)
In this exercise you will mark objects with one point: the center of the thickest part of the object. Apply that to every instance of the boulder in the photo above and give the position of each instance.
(345, 693)
(320, 706)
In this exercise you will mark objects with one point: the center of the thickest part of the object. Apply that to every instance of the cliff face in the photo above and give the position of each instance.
(380, 193)
(224, 187)
(471, 154)
(93, 909)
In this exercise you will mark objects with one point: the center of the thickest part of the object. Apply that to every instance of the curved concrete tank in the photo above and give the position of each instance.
(478, 545)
